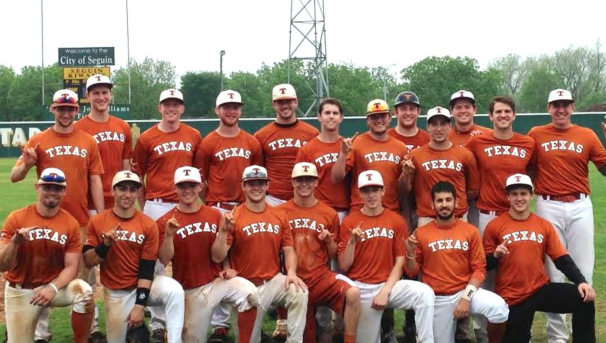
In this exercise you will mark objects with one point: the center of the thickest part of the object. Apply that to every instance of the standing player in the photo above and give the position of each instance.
(125, 243)
(281, 141)
(40, 250)
(256, 236)
(371, 253)
(189, 230)
(448, 253)
(407, 109)
(517, 243)
(315, 226)
(463, 108)
(560, 165)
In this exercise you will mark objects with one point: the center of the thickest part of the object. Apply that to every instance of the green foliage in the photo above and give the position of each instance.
(535, 92)
(200, 91)
(595, 98)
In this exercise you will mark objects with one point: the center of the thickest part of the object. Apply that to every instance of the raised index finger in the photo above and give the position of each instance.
(354, 136)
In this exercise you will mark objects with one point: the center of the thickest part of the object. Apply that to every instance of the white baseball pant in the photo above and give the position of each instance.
(21, 316)
(573, 221)
(405, 294)
(274, 293)
(165, 292)
(486, 303)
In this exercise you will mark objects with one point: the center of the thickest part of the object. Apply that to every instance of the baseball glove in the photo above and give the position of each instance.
(138, 335)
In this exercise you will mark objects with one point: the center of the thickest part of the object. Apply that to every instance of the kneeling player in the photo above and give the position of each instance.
(449, 254)
(187, 233)
(516, 243)
(371, 252)
(125, 243)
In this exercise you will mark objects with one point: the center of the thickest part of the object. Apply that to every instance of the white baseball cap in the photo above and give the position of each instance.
(518, 179)
(98, 79)
(171, 94)
(560, 94)
(438, 111)
(229, 96)
(370, 178)
(52, 176)
(283, 92)
(462, 94)
(125, 175)
(377, 106)
(304, 169)
(254, 172)
(187, 174)
(65, 97)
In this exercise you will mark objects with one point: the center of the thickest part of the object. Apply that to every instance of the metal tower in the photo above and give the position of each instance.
(307, 43)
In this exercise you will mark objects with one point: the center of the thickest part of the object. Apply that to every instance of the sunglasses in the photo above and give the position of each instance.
(52, 177)
(66, 100)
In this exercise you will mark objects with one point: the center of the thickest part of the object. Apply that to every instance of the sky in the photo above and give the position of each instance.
(388, 33)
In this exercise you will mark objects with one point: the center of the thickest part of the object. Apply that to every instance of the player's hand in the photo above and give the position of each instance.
(172, 225)
(502, 250)
(227, 222)
(586, 292)
(135, 317)
(356, 234)
(604, 128)
(326, 236)
(462, 310)
(228, 273)
(408, 167)
(294, 279)
(43, 296)
(412, 242)
(22, 235)
(109, 237)
(29, 155)
(347, 144)
(476, 133)
(379, 302)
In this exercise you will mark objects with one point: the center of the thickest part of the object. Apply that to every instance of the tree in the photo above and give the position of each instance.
(255, 95)
(7, 76)
(513, 70)
(200, 91)
(25, 93)
(354, 87)
(533, 96)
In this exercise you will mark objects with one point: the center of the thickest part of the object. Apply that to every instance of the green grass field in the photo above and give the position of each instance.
(14, 196)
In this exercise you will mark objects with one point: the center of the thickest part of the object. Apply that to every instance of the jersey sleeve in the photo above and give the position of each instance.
(161, 224)
(477, 258)
(534, 157)
(554, 247)
(127, 151)
(10, 227)
(399, 246)
(344, 235)
(139, 159)
(202, 157)
(95, 166)
(491, 239)
(350, 162)
(92, 236)
(257, 152)
(74, 243)
(151, 244)
(334, 226)
(598, 153)
(473, 174)
(301, 155)
(287, 240)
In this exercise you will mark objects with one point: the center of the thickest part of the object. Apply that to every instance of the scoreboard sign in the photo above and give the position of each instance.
(75, 79)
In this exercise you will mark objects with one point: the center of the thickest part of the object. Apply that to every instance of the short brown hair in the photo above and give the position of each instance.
(330, 101)
(504, 100)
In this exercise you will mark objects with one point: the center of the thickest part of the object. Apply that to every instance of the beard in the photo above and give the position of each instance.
(446, 216)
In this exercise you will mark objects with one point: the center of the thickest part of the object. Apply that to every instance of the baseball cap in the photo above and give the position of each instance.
(52, 176)
(370, 178)
(377, 106)
(518, 179)
(407, 97)
(171, 94)
(462, 94)
(65, 97)
(304, 169)
(187, 174)
(98, 79)
(125, 175)
(560, 95)
(283, 92)
(438, 111)
(254, 172)
(229, 96)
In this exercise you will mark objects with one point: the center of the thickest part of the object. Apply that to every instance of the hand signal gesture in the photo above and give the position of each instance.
(326, 236)
(109, 237)
(22, 234)
(227, 222)
(347, 144)
(408, 167)
(172, 225)
(356, 233)
(412, 242)
(501, 249)
(29, 155)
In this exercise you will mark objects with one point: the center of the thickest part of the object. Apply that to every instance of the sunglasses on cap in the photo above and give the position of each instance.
(66, 100)
(52, 177)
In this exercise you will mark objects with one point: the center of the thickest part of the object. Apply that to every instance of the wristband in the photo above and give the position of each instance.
(53, 286)
(409, 257)
(470, 290)
(142, 295)
(102, 250)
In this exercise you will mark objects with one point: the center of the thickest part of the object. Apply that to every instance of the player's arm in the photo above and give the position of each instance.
(477, 261)
(413, 255)
(126, 164)
(167, 248)
(8, 250)
(44, 296)
(381, 299)
(146, 275)
(220, 247)
(26, 162)
(346, 257)
(339, 170)
(95, 255)
(139, 166)
(290, 263)
(96, 188)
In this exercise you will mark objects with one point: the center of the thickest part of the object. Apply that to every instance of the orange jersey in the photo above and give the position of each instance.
(41, 258)
(521, 272)
(115, 144)
(459, 138)
(306, 223)
(385, 157)
(158, 154)
(449, 256)
(455, 164)
(561, 159)
(77, 155)
(257, 240)
(412, 142)
(222, 161)
(192, 262)
(137, 240)
(324, 156)
(281, 144)
(497, 160)
(382, 241)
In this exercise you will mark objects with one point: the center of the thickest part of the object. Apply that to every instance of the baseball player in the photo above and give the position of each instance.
(516, 244)
(315, 229)
(560, 168)
(190, 230)
(448, 253)
(463, 108)
(375, 150)
(377, 234)
(438, 160)
(257, 233)
(281, 141)
(77, 154)
(124, 242)
(40, 250)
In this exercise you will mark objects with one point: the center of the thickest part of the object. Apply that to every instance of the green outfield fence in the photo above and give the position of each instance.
(15, 134)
